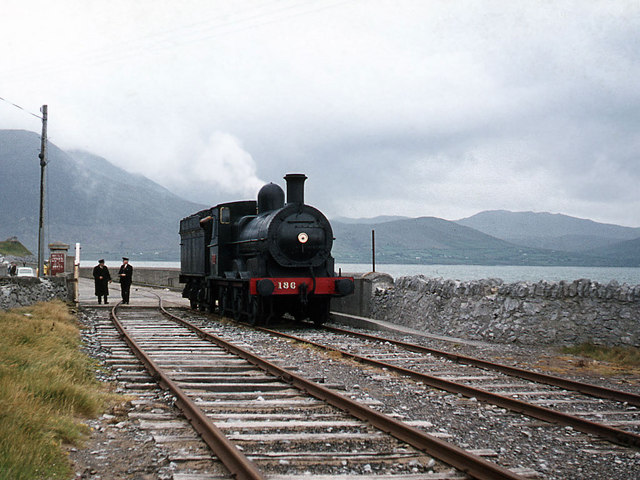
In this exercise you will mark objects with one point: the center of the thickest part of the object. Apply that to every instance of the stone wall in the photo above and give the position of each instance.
(548, 313)
(359, 303)
(24, 291)
(148, 276)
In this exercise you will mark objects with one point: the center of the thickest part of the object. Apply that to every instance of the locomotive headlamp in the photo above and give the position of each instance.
(303, 237)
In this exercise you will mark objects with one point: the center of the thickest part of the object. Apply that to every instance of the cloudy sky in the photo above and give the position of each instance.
(400, 107)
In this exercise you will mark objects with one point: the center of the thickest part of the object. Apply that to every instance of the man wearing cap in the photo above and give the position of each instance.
(126, 277)
(102, 278)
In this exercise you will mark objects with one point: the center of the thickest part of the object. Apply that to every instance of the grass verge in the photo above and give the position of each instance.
(46, 386)
(620, 356)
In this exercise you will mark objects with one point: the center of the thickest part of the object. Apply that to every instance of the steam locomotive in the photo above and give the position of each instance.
(256, 261)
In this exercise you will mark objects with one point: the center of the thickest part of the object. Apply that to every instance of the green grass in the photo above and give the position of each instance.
(15, 249)
(46, 386)
(620, 356)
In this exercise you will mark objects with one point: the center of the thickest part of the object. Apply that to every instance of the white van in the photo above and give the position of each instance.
(25, 272)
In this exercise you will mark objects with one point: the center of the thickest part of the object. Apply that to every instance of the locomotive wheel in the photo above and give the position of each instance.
(202, 296)
(256, 308)
(237, 304)
(319, 311)
(266, 312)
(222, 301)
(299, 313)
(192, 292)
(211, 298)
(253, 310)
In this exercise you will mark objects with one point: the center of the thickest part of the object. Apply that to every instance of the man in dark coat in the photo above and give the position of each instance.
(126, 277)
(102, 278)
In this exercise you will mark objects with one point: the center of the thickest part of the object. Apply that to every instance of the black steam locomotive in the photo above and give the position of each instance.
(256, 261)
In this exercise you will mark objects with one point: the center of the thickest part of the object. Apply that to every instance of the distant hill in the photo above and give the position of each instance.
(623, 253)
(549, 231)
(429, 240)
(369, 221)
(12, 247)
(109, 211)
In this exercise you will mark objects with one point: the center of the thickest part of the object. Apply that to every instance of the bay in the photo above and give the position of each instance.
(142, 263)
(508, 274)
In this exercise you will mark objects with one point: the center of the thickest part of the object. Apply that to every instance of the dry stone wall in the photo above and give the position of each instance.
(548, 313)
(24, 291)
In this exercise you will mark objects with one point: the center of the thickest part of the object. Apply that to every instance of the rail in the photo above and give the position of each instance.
(541, 413)
(586, 388)
(457, 457)
(238, 464)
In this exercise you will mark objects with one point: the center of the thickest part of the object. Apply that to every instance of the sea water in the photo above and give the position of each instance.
(508, 274)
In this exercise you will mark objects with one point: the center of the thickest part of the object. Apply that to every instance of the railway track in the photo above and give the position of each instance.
(556, 443)
(610, 414)
(265, 421)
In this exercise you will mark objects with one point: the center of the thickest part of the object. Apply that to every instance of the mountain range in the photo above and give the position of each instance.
(112, 212)
(89, 200)
(429, 240)
(549, 231)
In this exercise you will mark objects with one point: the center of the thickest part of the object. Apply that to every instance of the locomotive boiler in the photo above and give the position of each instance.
(256, 261)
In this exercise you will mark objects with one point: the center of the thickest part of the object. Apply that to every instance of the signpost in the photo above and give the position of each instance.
(56, 263)
(58, 258)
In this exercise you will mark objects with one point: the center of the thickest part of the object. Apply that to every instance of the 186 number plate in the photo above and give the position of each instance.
(286, 285)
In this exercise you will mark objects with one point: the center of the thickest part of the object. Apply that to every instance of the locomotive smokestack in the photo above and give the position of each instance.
(295, 187)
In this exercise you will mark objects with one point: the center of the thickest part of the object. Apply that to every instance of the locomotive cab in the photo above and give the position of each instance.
(223, 246)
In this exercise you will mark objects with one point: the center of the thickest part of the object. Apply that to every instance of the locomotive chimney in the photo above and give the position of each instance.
(295, 187)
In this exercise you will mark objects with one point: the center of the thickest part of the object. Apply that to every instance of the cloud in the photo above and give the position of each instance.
(390, 107)
(217, 168)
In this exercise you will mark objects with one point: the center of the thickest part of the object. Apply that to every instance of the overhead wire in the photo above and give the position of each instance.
(21, 108)
(46, 232)
(239, 23)
(176, 38)
(96, 55)
(167, 40)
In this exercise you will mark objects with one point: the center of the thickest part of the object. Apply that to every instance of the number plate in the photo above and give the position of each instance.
(286, 286)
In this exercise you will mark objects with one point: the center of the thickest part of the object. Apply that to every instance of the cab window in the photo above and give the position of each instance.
(225, 215)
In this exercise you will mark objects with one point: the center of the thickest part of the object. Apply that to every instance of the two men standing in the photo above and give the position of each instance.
(102, 279)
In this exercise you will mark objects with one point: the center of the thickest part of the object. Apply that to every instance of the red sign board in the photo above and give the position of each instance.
(56, 263)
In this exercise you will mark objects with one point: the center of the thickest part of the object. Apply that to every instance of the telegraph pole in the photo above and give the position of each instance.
(373, 250)
(43, 164)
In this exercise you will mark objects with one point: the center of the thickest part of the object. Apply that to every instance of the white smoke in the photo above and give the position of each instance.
(219, 169)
